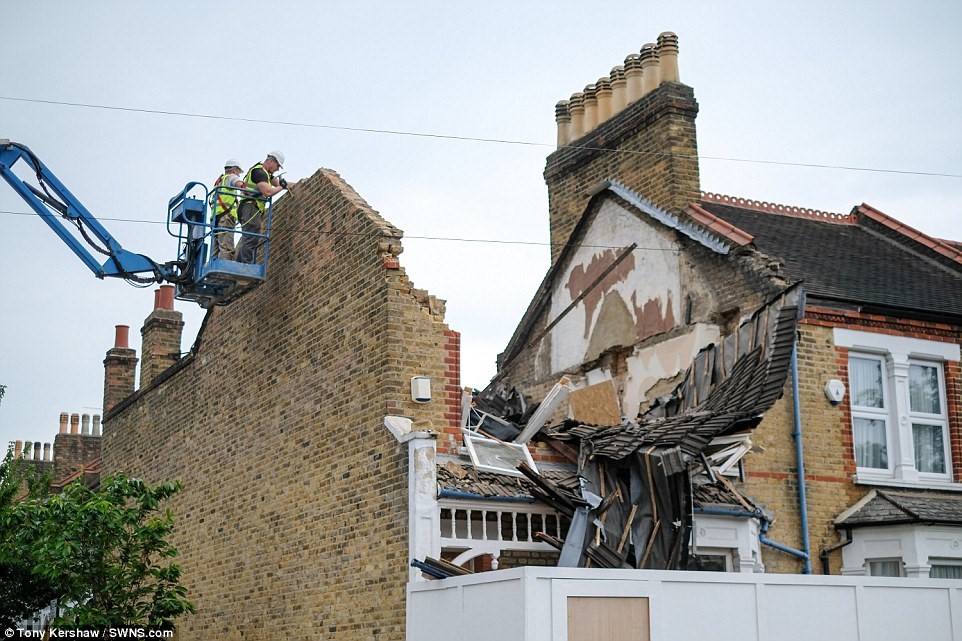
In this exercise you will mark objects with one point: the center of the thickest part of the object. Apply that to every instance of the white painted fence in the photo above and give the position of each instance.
(534, 604)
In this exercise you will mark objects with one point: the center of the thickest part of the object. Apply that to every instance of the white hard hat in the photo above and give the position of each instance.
(232, 162)
(278, 156)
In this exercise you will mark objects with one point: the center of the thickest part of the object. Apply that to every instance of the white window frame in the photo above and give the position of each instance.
(897, 354)
(917, 546)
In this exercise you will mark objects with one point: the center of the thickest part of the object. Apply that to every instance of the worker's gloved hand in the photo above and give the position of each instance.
(283, 184)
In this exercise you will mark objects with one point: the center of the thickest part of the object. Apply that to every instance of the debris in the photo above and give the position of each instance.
(595, 405)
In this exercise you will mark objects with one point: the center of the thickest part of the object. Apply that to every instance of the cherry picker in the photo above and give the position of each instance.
(196, 276)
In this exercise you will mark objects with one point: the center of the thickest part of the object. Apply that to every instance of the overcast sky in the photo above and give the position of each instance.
(816, 104)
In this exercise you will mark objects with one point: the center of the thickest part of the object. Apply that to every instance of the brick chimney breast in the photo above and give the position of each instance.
(161, 334)
(120, 367)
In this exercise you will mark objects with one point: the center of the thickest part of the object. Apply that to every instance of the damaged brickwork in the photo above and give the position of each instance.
(292, 518)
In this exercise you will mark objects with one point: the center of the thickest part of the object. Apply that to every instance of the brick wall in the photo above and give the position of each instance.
(293, 518)
(649, 147)
(827, 436)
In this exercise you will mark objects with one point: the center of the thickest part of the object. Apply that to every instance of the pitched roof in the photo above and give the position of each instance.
(864, 258)
(893, 508)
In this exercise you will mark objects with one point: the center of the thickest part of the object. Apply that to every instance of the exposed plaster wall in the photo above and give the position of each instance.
(641, 294)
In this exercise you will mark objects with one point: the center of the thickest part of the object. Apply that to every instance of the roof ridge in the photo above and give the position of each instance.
(888, 497)
(776, 208)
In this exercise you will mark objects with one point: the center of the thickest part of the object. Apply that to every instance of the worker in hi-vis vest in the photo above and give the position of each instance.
(261, 184)
(223, 202)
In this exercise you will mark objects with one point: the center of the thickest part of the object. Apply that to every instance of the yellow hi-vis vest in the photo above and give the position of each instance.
(253, 193)
(225, 197)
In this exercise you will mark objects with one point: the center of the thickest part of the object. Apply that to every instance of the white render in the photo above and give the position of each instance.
(653, 275)
(914, 545)
(530, 604)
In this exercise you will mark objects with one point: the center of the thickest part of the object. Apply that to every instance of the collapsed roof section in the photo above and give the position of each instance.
(632, 504)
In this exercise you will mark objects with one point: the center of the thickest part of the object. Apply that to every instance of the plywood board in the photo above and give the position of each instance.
(595, 405)
(608, 619)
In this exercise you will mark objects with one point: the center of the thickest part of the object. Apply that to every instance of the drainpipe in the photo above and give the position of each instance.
(838, 546)
(800, 463)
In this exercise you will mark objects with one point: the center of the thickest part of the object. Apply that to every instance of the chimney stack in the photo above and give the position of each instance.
(120, 366)
(647, 117)
(160, 346)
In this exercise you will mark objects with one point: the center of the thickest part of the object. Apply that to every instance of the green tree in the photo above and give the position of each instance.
(106, 551)
(21, 591)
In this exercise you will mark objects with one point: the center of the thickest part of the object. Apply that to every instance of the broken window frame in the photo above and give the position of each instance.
(474, 441)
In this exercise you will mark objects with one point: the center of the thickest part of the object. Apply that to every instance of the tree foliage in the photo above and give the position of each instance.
(21, 591)
(106, 551)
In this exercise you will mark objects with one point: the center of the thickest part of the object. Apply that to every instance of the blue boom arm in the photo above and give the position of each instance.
(54, 203)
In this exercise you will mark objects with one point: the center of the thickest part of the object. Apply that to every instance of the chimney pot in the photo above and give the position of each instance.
(618, 90)
(591, 107)
(651, 76)
(75, 423)
(96, 428)
(17, 449)
(603, 94)
(121, 336)
(85, 424)
(633, 78)
(64, 419)
(46, 451)
(166, 297)
(576, 107)
(668, 57)
(563, 119)
(38, 451)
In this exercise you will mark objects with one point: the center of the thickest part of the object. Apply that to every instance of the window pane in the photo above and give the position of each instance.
(865, 378)
(924, 389)
(870, 446)
(929, 448)
(946, 571)
(885, 568)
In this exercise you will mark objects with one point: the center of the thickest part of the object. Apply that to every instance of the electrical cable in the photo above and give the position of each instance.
(502, 141)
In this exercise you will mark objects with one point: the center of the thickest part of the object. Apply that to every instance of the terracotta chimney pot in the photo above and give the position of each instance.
(668, 57)
(591, 107)
(563, 118)
(618, 90)
(603, 94)
(576, 107)
(64, 421)
(633, 78)
(75, 423)
(651, 76)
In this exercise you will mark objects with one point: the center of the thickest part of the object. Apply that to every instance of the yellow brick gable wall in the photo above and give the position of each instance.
(293, 518)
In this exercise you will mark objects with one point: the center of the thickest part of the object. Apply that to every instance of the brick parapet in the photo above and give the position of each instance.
(275, 426)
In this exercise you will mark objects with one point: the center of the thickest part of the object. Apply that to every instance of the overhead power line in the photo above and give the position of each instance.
(450, 239)
(502, 141)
